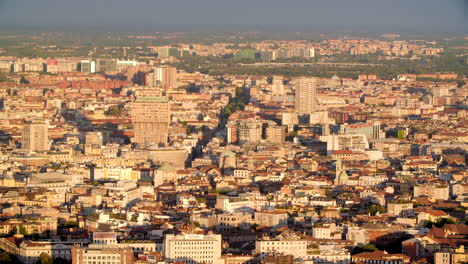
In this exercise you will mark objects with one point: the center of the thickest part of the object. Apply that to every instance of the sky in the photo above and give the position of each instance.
(431, 16)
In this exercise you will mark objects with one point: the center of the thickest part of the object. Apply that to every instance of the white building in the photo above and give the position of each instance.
(326, 231)
(113, 174)
(305, 99)
(242, 203)
(57, 181)
(191, 249)
(342, 142)
(286, 243)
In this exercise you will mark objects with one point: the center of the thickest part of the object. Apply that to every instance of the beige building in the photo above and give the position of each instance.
(345, 142)
(326, 231)
(289, 119)
(191, 248)
(105, 238)
(286, 243)
(55, 181)
(164, 75)
(400, 207)
(94, 138)
(151, 118)
(305, 95)
(103, 254)
(243, 131)
(242, 173)
(434, 192)
(275, 133)
(230, 221)
(113, 173)
(39, 225)
(174, 156)
(459, 256)
(28, 251)
(242, 203)
(35, 137)
(271, 218)
(277, 86)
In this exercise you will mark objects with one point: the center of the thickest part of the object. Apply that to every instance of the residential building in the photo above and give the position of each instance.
(305, 95)
(286, 243)
(165, 76)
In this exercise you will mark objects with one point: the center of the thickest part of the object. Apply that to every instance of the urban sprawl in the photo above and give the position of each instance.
(175, 153)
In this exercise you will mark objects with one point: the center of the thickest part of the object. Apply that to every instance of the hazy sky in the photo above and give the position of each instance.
(294, 15)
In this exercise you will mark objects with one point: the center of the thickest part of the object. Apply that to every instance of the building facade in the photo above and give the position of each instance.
(35, 137)
(165, 76)
(191, 248)
(150, 118)
(305, 95)
(103, 254)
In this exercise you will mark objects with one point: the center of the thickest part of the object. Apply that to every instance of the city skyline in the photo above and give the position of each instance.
(275, 132)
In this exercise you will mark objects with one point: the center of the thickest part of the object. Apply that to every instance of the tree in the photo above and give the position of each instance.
(3, 77)
(71, 224)
(191, 129)
(401, 133)
(7, 258)
(442, 221)
(366, 248)
(376, 208)
(44, 258)
(427, 224)
(23, 231)
(115, 111)
(438, 223)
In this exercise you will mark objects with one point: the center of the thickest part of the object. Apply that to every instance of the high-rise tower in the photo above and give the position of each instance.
(305, 95)
(164, 75)
(151, 118)
(35, 137)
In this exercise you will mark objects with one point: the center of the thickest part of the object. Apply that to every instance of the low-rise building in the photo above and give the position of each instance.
(193, 248)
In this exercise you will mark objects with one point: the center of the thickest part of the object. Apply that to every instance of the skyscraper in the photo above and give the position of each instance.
(305, 95)
(165, 76)
(35, 137)
(106, 65)
(150, 118)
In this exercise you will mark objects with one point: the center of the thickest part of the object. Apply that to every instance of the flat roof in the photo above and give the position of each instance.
(155, 99)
